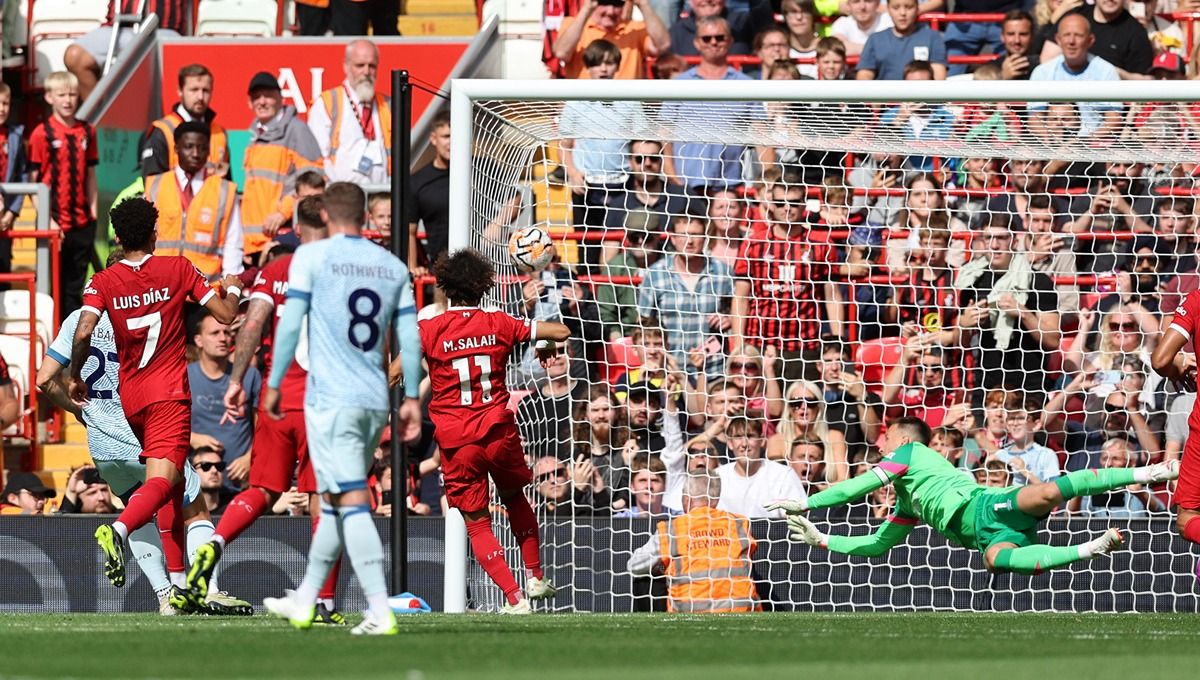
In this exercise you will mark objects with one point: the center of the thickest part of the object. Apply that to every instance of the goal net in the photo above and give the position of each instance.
(760, 276)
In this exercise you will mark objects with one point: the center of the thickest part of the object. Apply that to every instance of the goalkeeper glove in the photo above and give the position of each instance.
(803, 530)
(789, 507)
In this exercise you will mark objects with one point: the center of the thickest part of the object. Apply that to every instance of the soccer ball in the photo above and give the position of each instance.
(530, 249)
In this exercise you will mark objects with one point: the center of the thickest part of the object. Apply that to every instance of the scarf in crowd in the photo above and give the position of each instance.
(1017, 282)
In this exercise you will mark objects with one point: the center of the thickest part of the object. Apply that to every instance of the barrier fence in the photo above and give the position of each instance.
(50, 565)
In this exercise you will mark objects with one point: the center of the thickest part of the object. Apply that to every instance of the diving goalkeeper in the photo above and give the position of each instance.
(1000, 523)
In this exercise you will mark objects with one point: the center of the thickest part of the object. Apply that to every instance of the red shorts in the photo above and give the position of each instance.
(1187, 489)
(465, 470)
(165, 430)
(278, 446)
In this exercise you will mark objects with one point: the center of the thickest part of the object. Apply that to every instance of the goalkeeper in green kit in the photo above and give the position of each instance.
(1000, 523)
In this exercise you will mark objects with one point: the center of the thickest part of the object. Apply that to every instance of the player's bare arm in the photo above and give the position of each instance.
(248, 339)
(50, 382)
(224, 308)
(1168, 360)
(79, 353)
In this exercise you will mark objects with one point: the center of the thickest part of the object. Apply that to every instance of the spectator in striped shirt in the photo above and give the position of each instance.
(782, 283)
(689, 293)
(63, 156)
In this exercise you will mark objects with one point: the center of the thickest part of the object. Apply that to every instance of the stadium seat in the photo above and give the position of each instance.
(876, 358)
(236, 17)
(14, 315)
(619, 358)
(55, 24)
(16, 354)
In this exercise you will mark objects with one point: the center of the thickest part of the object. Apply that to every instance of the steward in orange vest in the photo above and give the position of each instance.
(158, 146)
(197, 214)
(281, 148)
(705, 553)
(353, 123)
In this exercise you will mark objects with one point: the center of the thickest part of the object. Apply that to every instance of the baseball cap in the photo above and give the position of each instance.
(1167, 61)
(640, 223)
(644, 391)
(29, 482)
(263, 81)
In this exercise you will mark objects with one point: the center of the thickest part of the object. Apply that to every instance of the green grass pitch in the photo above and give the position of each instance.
(763, 646)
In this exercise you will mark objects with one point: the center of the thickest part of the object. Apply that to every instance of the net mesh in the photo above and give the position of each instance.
(812, 272)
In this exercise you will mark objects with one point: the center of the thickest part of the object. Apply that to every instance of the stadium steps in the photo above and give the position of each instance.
(438, 17)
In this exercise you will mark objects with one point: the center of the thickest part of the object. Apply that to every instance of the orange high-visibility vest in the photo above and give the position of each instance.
(709, 569)
(198, 234)
(218, 141)
(332, 100)
(314, 3)
(267, 167)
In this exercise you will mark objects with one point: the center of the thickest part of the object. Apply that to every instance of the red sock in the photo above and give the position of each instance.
(329, 588)
(170, 529)
(241, 512)
(490, 556)
(1191, 530)
(144, 503)
(525, 530)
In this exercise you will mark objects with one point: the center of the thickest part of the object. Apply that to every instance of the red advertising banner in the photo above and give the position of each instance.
(304, 66)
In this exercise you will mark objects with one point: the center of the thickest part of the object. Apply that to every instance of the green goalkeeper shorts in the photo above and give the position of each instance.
(993, 517)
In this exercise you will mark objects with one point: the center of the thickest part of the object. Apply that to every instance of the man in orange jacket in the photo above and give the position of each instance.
(705, 553)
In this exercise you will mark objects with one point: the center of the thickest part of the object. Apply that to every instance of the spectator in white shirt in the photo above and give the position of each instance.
(352, 122)
(751, 481)
(863, 20)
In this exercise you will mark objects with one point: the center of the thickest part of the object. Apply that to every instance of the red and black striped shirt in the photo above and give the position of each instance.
(172, 14)
(931, 304)
(787, 277)
(62, 155)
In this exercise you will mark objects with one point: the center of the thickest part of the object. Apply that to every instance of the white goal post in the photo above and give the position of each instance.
(897, 165)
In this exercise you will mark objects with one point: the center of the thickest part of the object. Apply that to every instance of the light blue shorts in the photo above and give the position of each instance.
(123, 475)
(341, 446)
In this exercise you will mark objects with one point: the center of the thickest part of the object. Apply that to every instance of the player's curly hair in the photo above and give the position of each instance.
(133, 220)
(464, 276)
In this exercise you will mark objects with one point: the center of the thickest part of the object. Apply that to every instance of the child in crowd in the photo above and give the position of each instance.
(379, 216)
(1030, 462)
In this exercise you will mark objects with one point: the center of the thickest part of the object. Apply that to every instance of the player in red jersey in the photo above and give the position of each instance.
(467, 351)
(144, 296)
(1174, 364)
(279, 445)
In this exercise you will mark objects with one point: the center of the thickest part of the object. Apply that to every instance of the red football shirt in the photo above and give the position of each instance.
(467, 350)
(145, 302)
(271, 286)
(62, 155)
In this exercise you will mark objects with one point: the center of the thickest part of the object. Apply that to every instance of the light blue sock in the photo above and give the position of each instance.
(146, 548)
(199, 533)
(366, 555)
(324, 551)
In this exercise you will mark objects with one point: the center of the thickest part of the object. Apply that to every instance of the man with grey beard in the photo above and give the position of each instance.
(352, 122)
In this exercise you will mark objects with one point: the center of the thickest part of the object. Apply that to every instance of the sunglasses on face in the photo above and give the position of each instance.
(1127, 327)
(207, 467)
(810, 402)
(647, 158)
(720, 38)
(744, 367)
(931, 367)
(560, 473)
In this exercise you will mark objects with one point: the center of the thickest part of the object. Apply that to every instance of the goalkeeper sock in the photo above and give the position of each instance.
(525, 530)
(490, 556)
(143, 504)
(1191, 530)
(325, 548)
(329, 588)
(365, 551)
(170, 528)
(1034, 559)
(1096, 480)
(146, 548)
(246, 507)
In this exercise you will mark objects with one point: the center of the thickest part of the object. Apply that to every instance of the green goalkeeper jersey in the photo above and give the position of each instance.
(928, 489)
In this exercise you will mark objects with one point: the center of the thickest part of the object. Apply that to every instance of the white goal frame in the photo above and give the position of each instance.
(466, 92)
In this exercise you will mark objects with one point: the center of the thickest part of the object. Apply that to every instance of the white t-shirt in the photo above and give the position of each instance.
(747, 495)
(847, 28)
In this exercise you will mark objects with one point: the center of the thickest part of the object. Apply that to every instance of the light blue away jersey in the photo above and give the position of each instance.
(109, 436)
(355, 289)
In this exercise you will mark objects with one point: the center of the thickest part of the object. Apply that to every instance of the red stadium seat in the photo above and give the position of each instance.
(619, 358)
(876, 358)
